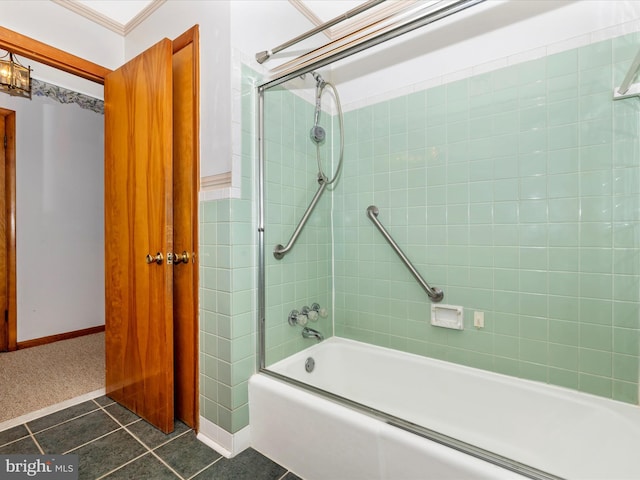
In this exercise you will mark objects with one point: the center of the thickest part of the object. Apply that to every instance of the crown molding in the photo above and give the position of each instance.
(312, 17)
(378, 13)
(143, 15)
(106, 22)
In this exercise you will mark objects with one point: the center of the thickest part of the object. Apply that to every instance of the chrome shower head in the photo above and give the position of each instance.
(317, 134)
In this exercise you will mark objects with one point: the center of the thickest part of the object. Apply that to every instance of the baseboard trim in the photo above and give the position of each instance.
(60, 336)
(226, 444)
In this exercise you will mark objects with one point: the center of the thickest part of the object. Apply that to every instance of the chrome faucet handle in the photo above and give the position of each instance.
(311, 313)
(297, 318)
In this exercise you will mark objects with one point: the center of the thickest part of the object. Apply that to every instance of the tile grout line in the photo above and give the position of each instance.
(123, 465)
(149, 450)
(33, 437)
(87, 443)
(63, 422)
(205, 468)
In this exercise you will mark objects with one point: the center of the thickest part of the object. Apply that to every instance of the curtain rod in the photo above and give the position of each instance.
(263, 56)
(345, 46)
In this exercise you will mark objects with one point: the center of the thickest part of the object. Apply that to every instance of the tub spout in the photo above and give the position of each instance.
(311, 333)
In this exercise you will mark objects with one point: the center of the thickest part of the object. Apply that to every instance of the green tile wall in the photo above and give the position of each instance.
(227, 291)
(517, 193)
(304, 275)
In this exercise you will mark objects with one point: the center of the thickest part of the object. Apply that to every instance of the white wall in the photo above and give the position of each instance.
(225, 27)
(59, 216)
(57, 26)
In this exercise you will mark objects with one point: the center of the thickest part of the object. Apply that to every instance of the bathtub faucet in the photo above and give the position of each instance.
(311, 333)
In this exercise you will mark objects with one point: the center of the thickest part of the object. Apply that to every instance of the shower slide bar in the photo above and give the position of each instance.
(263, 56)
(434, 293)
(279, 251)
(626, 89)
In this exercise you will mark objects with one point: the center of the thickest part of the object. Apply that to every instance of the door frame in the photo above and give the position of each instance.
(10, 226)
(41, 52)
(54, 57)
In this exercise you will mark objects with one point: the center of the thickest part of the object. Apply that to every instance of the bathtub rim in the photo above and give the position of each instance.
(447, 441)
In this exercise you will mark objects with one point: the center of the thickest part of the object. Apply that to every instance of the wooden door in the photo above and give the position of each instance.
(185, 224)
(138, 223)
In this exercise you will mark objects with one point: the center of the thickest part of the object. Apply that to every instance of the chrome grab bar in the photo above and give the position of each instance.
(434, 293)
(279, 251)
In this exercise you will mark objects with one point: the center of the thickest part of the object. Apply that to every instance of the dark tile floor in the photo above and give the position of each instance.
(113, 443)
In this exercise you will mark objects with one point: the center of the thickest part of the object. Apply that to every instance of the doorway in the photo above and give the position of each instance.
(185, 50)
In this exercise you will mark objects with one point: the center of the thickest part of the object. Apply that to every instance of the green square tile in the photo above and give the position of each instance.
(563, 185)
(564, 283)
(594, 55)
(533, 211)
(596, 260)
(563, 378)
(563, 112)
(534, 163)
(534, 351)
(533, 371)
(563, 356)
(506, 346)
(626, 341)
(596, 311)
(595, 362)
(239, 419)
(564, 209)
(562, 87)
(563, 308)
(599, 337)
(564, 332)
(595, 385)
(625, 367)
(506, 366)
(533, 118)
(625, 392)
(596, 209)
(533, 281)
(533, 235)
(534, 328)
(533, 258)
(626, 314)
(563, 162)
(596, 285)
(564, 136)
(626, 288)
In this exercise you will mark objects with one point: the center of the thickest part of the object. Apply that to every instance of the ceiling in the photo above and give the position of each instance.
(122, 16)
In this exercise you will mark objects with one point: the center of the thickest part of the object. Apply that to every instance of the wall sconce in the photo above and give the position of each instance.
(15, 79)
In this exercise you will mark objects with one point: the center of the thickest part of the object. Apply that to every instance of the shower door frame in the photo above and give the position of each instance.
(469, 449)
(488, 456)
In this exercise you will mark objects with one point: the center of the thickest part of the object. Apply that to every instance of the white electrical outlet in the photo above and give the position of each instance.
(478, 319)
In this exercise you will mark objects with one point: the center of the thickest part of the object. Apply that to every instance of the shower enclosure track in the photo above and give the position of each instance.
(434, 293)
(279, 251)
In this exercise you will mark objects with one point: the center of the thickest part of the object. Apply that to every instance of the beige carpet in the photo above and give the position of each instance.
(39, 377)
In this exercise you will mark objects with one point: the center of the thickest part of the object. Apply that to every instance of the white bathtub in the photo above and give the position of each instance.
(565, 433)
